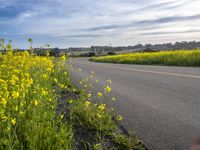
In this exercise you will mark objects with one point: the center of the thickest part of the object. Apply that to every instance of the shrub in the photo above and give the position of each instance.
(91, 54)
(111, 53)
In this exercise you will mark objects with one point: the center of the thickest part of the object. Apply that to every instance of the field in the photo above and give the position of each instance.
(41, 109)
(172, 58)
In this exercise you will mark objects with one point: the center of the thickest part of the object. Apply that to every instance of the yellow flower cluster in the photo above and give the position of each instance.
(102, 107)
(107, 89)
(87, 104)
(22, 78)
(175, 57)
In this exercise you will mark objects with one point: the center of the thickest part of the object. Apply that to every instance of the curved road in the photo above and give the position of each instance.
(161, 103)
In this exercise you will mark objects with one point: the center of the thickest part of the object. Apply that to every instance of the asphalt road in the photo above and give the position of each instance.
(161, 103)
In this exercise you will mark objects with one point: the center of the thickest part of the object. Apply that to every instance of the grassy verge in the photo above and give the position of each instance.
(40, 109)
(173, 58)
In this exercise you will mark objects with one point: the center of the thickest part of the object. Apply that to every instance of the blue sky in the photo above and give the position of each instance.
(65, 23)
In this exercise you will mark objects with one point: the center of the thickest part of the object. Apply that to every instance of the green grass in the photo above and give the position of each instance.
(172, 58)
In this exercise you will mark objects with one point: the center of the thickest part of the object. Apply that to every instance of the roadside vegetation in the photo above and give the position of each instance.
(41, 109)
(172, 58)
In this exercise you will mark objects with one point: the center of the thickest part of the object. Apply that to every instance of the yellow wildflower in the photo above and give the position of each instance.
(119, 118)
(4, 118)
(21, 113)
(61, 117)
(55, 80)
(16, 108)
(15, 94)
(44, 93)
(99, 115)
(99, 94)
(63, 58)
(35, 102)
(87, 104)
(107, 89)
(45, 76)
(30, 81)
(3, 101)
(62, 86)
(89, 95)
(70, 101)
(13, 121)
(1, 80)
(102, 107)
(21, 104)
(113, 98)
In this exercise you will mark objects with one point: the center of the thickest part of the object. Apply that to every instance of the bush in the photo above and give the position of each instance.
(111, 53)
(83, 55)
(91, 54)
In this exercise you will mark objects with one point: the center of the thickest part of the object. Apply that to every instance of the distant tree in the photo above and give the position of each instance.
(91, 54)
(111, 53)
(30, 40)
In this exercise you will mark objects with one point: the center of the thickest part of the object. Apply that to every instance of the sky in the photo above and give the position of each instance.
(75, 23)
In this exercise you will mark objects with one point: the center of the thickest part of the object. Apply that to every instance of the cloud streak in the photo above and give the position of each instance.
(170, 19)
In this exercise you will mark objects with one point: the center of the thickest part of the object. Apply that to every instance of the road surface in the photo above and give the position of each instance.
(161, 103)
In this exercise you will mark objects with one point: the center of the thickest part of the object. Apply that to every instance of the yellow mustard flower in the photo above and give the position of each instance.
(119, 117)
(21, 113)
(63, 58)
(13, 121)
(3, 101)
(55, 80)
(15, 94)
(107, 89)
(113, 98)
(99, 115)
(99, 94)
(89, 95)
(61, 117)
(30, 81)
(70, 101)
(16, 108)
(4, 118)
(102, 107)
(87, 104)
(35, 102)
(45, 76)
